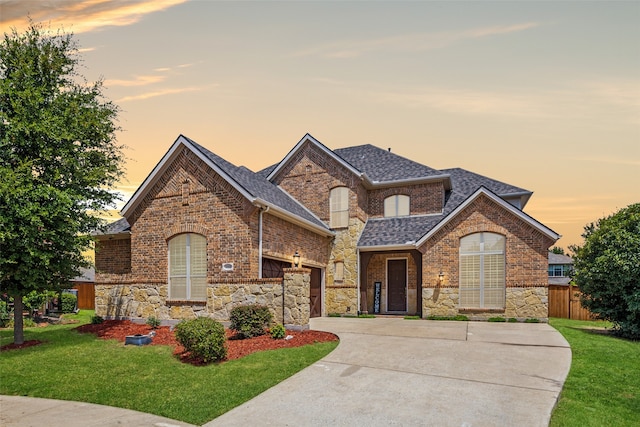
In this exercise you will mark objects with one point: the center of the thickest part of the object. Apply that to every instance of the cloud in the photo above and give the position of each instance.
(468, 101)
(164, 92)
(137, 81)
(80, 15)
(410, 42)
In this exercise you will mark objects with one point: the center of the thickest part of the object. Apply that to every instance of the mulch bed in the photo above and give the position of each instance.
(236, 348)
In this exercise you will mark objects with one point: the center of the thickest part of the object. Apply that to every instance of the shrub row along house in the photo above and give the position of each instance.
(374, 232)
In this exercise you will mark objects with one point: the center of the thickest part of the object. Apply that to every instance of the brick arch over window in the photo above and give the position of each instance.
(185, 228)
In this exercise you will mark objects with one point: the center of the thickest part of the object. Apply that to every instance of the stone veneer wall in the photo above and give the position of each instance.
(140, 301)
(342, 296)
(521, 303)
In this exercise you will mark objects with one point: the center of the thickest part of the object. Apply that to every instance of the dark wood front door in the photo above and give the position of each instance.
(397, 285)
(315, 293)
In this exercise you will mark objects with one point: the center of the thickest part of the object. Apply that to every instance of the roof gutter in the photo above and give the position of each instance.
(446, 178)
(405, 247)
(294, 219)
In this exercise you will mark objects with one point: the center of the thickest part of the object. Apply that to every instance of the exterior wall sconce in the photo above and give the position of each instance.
(440, 277)
(296, 260)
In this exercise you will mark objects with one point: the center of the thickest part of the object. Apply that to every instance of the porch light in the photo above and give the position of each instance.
(441, 277)
(296, 260)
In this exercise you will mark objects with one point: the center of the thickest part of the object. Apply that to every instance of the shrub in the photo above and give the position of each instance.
(334, 315)
(250, 320)
(532, 320)
(5, 314)
(68, 302)
(278, 332)
(512, 320)
(496, 319)
(607, 267)
(96, 320)
(153, 321)
(203, 337)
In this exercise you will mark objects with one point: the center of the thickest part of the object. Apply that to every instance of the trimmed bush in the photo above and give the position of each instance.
(496, 319)
(96, 320)
(203, 337)
(278, 332)
(250, 320)
(68, 302)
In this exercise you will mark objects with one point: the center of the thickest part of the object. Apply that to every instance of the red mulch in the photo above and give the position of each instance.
(25, 344)
(236, 348)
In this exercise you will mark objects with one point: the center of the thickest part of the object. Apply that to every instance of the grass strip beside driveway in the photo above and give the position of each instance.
(603, 386)
(82, 367)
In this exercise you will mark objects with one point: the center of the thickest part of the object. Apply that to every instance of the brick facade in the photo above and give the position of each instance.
(188, 196)
(525, 258)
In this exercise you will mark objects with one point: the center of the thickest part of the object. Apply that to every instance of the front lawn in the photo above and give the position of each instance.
(82, 367)
(603, 386)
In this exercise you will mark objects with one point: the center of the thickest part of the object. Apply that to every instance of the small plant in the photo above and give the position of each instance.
(458, 317)
(68, 302)
(532, 320)
(250, 320)
(96, 320)
(154, 322)
(366, 316)
(334, 315)
(278, 332)
(512, 320)
(203, 337)
(496, 319)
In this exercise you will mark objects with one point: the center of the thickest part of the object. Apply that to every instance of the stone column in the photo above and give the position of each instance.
(296, 298)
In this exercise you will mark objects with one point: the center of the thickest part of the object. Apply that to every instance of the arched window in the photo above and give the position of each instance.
(482, 271)
(339, 207)
(397, 205)
(188, 267)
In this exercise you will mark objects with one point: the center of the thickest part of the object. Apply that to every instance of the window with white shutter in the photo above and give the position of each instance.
(339, 207)
(482, 271)
(188, 267)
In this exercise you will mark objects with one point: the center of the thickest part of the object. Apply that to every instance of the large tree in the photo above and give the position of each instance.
(607, 269)
(58, 161)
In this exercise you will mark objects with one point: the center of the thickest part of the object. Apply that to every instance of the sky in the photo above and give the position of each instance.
(542, 95)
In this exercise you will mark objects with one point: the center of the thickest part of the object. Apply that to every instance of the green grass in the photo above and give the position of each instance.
(603, 386)
(81, 367)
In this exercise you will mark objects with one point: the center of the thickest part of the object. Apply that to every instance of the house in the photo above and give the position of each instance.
(560, 268)
(375, 232)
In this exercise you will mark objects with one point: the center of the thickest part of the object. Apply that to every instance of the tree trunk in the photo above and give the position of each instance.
(18, 324)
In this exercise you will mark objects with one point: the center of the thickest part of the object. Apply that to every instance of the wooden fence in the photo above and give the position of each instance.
(564, 302)
(86, 296)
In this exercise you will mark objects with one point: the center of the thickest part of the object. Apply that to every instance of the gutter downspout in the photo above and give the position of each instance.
(262, 210)
(358, 279)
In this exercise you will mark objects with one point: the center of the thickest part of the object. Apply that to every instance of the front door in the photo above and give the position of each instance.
(397, 285)
(315, 293)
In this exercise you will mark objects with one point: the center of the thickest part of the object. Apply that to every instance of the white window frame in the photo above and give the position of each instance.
(393, 209)
(188, 274)
(339, 207)
(480, 275)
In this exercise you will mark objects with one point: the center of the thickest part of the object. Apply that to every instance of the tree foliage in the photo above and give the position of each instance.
(58, 160)
(557, 250)
(607, 269)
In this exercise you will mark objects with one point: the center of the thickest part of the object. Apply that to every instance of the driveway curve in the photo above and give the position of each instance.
(392, 371)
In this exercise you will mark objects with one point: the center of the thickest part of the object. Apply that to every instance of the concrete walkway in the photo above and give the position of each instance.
(391, 371)
(386, 371)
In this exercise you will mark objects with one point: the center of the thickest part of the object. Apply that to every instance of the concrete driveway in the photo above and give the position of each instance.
(391, 371)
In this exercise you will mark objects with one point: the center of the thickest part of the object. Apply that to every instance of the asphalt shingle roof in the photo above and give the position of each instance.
(400, 230)
(258, 186)
(382, 165)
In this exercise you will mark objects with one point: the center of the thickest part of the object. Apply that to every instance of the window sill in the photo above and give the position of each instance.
(175, 302)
